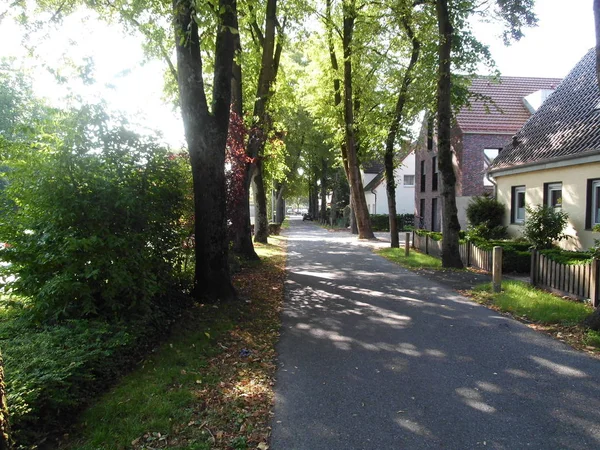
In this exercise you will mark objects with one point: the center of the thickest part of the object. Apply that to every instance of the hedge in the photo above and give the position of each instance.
(381, 222)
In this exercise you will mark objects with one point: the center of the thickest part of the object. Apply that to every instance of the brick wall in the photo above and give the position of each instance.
(473, 162)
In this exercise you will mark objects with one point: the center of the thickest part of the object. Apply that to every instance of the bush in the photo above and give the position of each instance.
(566, 257)
(486, 216)
(53, 371)
(92, 214)
(516, 256)
(544, 225)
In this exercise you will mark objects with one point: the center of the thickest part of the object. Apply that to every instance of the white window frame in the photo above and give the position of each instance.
(406, 184)
(515, 204)
(595, 203)
(553, 187)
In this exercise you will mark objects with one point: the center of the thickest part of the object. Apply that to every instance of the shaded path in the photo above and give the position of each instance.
(373, 356)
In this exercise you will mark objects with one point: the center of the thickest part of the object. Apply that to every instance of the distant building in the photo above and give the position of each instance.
(497, 111)
(376, 187)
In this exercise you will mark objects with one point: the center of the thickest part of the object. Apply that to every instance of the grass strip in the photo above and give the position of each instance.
(210, 385)
(543, 311)
(415, 260)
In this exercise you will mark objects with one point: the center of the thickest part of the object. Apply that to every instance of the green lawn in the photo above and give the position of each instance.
(415, 260)
(533, 304)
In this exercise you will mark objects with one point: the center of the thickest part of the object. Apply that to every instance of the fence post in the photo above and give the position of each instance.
(594, 284)
(413, 242)
(497, 269)
(427, 244)
(469, 243)
(533, 273)
(406, 244)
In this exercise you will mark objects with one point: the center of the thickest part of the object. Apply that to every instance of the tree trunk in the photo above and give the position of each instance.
(323, 212)
(261, 222)
(260, 126)
(597, 21)
(353, 225)
(242, 236)
(206, 136)
(361, 211)
(451, 226)
(279, 202)
(5, 440)
(393, 131)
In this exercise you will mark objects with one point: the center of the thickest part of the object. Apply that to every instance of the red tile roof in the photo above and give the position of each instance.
(566, 125)
(505, 112)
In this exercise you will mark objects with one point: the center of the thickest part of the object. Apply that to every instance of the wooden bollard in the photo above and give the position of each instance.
(497, 269)
(406, 244)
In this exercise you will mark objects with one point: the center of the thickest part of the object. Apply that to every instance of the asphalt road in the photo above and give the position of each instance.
(373, 356)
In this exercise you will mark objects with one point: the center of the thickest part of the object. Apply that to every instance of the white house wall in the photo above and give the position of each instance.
(574, 202)
(405, 195)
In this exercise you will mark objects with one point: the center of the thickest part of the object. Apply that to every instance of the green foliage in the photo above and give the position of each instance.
(381, 222)
(544, 225)
(566, 257)
(595, 250)
(533, 304)
(92, 214)
(435, 235)
(485, 215)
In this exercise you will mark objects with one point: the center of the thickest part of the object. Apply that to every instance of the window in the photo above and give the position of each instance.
(553, 195)
(434, 174)
(409, 180)
(517, 211)
(423, 178)
(489, 154)
(593, 204)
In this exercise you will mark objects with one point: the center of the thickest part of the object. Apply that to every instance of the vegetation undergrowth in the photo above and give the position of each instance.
(210, 385)
(542, 310)
(415, 260)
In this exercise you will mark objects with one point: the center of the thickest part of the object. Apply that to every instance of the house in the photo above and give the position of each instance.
(496, 112)
(554, 159)
(376, 187)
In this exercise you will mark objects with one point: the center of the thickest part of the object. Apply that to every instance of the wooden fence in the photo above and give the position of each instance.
(579, 281)
(470, 254)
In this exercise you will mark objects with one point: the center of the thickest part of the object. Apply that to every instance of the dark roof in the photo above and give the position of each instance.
(505, 112)
(375, 181)
(567, 124)
(373, 167)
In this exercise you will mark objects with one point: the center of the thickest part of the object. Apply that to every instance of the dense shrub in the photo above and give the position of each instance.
(53, 371)
(486, 216)
(544, 225)
(516, 255)
(566, 257)
(381, 222)
(91, 213)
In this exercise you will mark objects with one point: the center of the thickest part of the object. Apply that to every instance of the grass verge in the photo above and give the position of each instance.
(210, 385)
(414, 260)
(541, 310)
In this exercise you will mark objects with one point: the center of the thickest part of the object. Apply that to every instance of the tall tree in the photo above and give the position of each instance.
(206, 136)
(515, 14)
(394, 126)
(261, 124)
(450, 225)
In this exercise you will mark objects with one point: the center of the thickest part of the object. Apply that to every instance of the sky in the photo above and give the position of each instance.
(127, 82)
